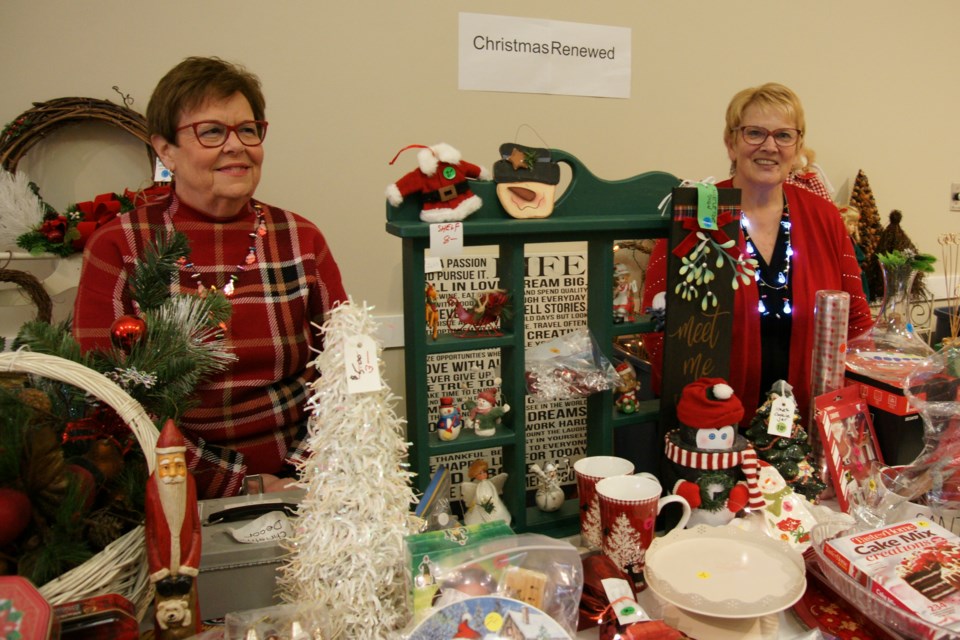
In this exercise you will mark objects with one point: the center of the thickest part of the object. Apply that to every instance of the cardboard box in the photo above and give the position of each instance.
(236, 576)
(898, 425)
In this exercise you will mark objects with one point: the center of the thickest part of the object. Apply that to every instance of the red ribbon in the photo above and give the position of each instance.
(691, 224)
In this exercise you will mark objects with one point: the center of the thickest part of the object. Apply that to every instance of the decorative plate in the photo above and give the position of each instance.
(490, 618)
(725, 572)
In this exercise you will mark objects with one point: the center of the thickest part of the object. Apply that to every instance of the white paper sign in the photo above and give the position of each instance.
(529, 55)
(363, 367)
(270, 526)
(446, 239)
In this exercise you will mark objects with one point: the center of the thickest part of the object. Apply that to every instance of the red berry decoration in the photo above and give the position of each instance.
(127, 331)
(15, 511)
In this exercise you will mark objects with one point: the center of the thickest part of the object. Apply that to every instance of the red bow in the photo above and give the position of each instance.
(96, 213)
(692, 225)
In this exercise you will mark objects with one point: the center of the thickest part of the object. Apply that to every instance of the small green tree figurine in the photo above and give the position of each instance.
(790, 454)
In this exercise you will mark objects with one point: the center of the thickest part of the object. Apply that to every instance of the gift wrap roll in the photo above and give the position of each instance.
(831, 315)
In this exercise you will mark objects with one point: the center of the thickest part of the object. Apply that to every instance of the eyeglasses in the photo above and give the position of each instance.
(213, 134)
(758, 135)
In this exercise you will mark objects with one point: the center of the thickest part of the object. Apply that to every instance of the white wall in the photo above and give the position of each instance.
(350, 83)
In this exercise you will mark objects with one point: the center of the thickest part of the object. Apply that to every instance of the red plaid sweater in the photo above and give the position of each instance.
(252, 417)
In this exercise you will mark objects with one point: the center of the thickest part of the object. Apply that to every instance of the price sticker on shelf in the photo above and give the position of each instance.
(363, 367)
(446, 239)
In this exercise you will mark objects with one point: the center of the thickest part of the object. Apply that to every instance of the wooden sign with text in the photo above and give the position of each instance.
(697, 335)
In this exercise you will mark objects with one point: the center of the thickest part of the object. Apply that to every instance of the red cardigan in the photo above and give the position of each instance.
(251, 417)
(823, 258)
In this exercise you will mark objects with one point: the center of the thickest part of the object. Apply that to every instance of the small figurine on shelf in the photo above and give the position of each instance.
(626, 397)
(441, 179)
(450, 423)
(549, 496)
(624, 293)
(173, 538)
(484, 414)
(709, 456)
(432, 310)
(480, 316)
(482, 495)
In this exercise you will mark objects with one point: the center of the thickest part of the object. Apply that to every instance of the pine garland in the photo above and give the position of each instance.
(180, 347)
(49, 452)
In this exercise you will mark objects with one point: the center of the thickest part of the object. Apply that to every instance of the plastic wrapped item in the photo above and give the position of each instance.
(297, 622)
(535, 569)
(571, 366)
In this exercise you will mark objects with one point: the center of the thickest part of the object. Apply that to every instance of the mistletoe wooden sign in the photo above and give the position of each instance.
(704, 268)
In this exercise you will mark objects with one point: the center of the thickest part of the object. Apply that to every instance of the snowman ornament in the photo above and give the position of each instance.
(717, 467)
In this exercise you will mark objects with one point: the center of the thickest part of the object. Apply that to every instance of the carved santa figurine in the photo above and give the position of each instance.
(173, 538)
(441, 179)
(717, 467)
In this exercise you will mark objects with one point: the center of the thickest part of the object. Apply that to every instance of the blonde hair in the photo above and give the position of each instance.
(772, 96)
(851, 219)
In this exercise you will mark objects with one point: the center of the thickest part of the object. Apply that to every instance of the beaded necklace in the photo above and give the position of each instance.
(259, 231)
(779, 288)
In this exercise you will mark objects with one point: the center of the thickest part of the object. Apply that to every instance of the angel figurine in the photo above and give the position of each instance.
(482, 495)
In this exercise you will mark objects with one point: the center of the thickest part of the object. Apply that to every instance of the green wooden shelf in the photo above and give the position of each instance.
(591, 210)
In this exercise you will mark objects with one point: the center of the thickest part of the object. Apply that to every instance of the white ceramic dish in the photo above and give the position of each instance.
(725, 572)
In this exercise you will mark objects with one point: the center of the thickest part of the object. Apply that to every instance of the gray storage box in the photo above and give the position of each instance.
(235, 576)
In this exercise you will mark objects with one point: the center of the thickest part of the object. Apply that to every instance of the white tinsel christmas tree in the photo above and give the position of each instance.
(348, 553)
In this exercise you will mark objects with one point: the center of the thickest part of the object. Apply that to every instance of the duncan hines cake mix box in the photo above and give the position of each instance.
(913, 564)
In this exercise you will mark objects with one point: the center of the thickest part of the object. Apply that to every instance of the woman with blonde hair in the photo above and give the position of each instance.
(798, 238)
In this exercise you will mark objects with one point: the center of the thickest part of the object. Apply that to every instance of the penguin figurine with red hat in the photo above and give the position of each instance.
(441, 180)
(717, 466)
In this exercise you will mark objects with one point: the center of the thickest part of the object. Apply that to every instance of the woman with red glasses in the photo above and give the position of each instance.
(207, 124)
(797, 237)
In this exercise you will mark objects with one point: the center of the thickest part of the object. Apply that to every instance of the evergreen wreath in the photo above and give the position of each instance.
(718, 500)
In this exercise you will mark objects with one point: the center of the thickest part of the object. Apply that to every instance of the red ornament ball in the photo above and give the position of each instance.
(127, 331)
(15, 511)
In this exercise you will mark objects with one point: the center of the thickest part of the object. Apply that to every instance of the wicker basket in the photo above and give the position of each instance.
(121, 567)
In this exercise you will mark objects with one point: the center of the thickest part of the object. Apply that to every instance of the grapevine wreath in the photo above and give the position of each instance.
(34, 124)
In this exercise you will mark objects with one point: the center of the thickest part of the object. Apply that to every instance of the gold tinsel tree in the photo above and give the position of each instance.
(870, 230)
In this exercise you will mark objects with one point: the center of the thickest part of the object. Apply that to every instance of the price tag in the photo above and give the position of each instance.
(780, 422)
(270, 526)
(625, 606)
(446, 239)
(363, 368)
(707, 206)
(161, 173)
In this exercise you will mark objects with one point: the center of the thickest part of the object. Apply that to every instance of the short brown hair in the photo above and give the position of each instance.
(192, 82)
(768, 96)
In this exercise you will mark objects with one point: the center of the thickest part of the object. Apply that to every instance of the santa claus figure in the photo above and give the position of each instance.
(717, 467)
(441, 180)
(173, 537)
